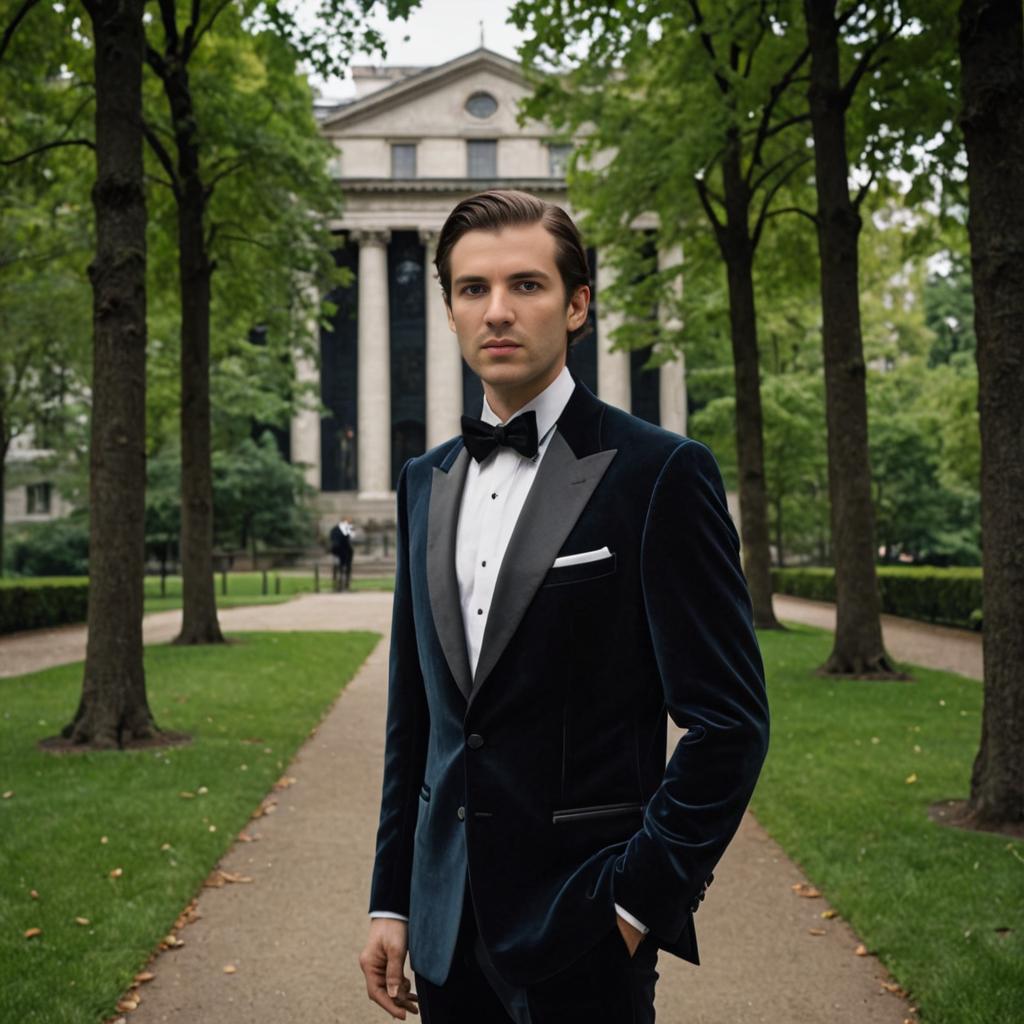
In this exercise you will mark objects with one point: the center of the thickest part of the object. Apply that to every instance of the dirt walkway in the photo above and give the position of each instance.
(294, 934)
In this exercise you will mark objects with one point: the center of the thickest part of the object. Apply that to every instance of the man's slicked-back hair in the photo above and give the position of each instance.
(506, 208)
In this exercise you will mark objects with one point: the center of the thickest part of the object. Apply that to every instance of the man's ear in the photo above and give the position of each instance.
(448, 310)
(579, 305)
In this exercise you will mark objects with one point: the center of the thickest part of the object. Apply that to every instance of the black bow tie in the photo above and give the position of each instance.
(482, 438)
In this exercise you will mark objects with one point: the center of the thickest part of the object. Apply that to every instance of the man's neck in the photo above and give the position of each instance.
(506, 402)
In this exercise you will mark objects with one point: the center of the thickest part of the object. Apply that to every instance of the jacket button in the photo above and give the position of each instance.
(475, 741)
(461, 814)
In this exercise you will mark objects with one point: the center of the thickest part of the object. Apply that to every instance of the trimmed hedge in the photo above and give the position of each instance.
(29, 605)
(951, 597)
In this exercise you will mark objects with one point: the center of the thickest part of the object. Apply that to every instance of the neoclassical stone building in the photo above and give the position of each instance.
(410, 145)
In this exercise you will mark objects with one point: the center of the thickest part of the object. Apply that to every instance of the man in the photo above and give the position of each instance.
(341, 547)
(566, 575)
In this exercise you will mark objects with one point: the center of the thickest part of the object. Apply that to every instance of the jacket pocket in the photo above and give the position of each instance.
(425, 792)
(559, 575)
(598, 811)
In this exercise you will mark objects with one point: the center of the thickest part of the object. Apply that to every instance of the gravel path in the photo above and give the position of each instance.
(294, 934)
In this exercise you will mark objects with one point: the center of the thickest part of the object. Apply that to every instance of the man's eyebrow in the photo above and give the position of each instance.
(519, 275)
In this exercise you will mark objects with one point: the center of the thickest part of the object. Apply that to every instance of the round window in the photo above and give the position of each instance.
(481, 104)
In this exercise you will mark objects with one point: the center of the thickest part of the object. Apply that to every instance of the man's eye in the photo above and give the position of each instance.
(473, 289)
(529, 286)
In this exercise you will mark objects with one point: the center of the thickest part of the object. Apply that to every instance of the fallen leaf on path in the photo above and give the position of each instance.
(816, 931)
(285, 781)
(127, 1005)
(244, 837)
(143, 976)
(861, 950)
(807, 891)
(829, 914)
(172, 942)
(891, 986)
(230, 968)
(31, 933)
(82, 921)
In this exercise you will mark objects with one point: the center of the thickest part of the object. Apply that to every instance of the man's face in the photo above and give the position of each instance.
(510, 311)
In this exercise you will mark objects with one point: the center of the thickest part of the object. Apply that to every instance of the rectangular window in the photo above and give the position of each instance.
(558, 159)
(38, 501)
(482, 158)
(403, 160)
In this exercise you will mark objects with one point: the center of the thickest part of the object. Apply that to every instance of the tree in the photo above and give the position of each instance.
(113, 707)
(887, 126)
(630, 79)
(257, 151)
(857, 648)
(991, 42)
(45, 236)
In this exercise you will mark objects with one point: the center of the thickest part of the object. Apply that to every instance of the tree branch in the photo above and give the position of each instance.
(702, 191)
(168, 15)
(863, 191)
(12, 27)
(763, 215)
(49, 145)
(792, 209)
(160, 151)
(209, 22)
(865, 63)
(776, 91)
(708, 45)
(220, 175)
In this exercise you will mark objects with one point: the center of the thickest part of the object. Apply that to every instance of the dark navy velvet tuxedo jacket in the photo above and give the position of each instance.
(543, 775)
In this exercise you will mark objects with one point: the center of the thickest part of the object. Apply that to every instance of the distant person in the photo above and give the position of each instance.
(341, 548)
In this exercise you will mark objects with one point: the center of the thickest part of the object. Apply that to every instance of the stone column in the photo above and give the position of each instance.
(305, 444)
(672, 375)
(444, 361)
(612, 367)
(374, 384)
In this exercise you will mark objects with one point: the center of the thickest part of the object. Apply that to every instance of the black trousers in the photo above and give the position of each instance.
(605, 986)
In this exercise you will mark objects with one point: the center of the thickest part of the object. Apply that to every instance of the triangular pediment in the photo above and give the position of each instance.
(440, 85)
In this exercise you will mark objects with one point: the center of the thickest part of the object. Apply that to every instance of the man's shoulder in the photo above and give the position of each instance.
(645, 442)
(439, 457)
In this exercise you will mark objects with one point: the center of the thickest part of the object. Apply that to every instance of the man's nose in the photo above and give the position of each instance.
(499, 308)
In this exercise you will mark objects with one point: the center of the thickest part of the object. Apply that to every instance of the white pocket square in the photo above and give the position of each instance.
(579, 559)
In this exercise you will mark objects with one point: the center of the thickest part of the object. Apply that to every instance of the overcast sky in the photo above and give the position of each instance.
(438, 31)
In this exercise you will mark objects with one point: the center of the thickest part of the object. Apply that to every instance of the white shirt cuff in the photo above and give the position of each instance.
(630, 919)
(389, 914)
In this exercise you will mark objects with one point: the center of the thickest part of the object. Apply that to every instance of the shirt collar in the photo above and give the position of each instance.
(548, 404)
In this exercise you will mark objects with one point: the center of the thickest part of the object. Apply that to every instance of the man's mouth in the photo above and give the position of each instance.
(501, 346)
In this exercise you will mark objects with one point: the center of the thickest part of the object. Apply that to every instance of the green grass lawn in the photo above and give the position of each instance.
(246, 588)
(248, 706)
(931, 901)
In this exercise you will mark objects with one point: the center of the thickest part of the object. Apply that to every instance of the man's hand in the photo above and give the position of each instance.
(383, 963)
(630, 935)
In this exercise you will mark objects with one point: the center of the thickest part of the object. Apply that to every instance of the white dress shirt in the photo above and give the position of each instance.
(492, 498)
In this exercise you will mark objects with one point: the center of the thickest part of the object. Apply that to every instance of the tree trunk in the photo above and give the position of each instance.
(113, 707)
(3, 487)
(738, 252)
(992, 77)
(858, 648)
(199, 606)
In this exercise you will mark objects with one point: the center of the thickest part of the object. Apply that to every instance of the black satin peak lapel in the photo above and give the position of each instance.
(442, 521)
